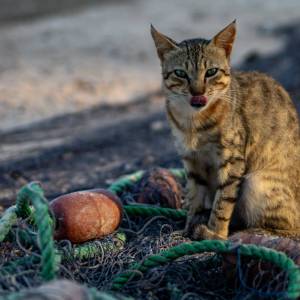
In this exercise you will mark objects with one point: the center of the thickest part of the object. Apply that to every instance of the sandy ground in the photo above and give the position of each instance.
(104, 54)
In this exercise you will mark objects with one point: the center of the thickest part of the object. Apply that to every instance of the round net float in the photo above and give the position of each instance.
(159, 187)
(287, 245)
(86, 215)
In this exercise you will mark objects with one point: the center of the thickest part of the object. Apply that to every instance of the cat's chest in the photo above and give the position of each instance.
(186, 143)
(197, 146)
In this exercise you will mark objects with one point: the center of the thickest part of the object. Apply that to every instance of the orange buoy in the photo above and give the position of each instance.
(287, 245)
(159, 187)
(86, 215)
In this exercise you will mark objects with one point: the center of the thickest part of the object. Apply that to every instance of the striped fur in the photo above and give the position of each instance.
(241, 150)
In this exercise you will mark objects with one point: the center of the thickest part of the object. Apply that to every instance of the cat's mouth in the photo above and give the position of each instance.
(198, 101)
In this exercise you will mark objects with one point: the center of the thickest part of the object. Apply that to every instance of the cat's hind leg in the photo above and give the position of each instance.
(267, 201)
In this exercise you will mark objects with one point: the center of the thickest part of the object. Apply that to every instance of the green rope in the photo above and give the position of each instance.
(141, 210)
(277, 258)
(125, 182)
(34, 193)
(8, 219)
(23, 200)
(179, 173)
(91, 249)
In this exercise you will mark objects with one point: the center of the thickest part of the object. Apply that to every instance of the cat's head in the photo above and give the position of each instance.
(195, 72)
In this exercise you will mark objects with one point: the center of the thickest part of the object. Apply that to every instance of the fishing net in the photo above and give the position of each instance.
(141, 252)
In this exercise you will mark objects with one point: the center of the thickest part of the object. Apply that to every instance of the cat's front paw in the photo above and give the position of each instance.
(202, 232)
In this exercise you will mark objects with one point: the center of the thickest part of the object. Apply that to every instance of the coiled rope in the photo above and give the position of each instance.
(33, 193)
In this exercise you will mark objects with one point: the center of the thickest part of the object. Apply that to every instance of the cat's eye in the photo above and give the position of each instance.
(211, 72)
(180, 73)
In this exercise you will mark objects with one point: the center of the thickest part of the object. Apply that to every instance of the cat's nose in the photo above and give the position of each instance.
(196, 91)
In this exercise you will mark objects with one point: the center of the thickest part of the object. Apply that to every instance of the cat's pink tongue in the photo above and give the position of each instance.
(198, 101)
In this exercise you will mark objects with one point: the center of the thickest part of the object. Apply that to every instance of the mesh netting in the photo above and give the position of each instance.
(97, 263)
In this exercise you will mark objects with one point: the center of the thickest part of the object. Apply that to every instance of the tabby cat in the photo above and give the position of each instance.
(238, 136)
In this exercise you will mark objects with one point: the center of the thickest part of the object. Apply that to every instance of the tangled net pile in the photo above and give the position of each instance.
(147, 258)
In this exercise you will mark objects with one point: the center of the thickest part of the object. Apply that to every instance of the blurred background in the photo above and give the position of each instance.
(80, 100)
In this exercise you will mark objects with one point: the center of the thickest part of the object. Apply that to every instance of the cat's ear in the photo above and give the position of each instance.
(225, 38)
(163, 43)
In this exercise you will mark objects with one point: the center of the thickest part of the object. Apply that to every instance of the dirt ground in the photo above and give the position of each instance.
(92, 146)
